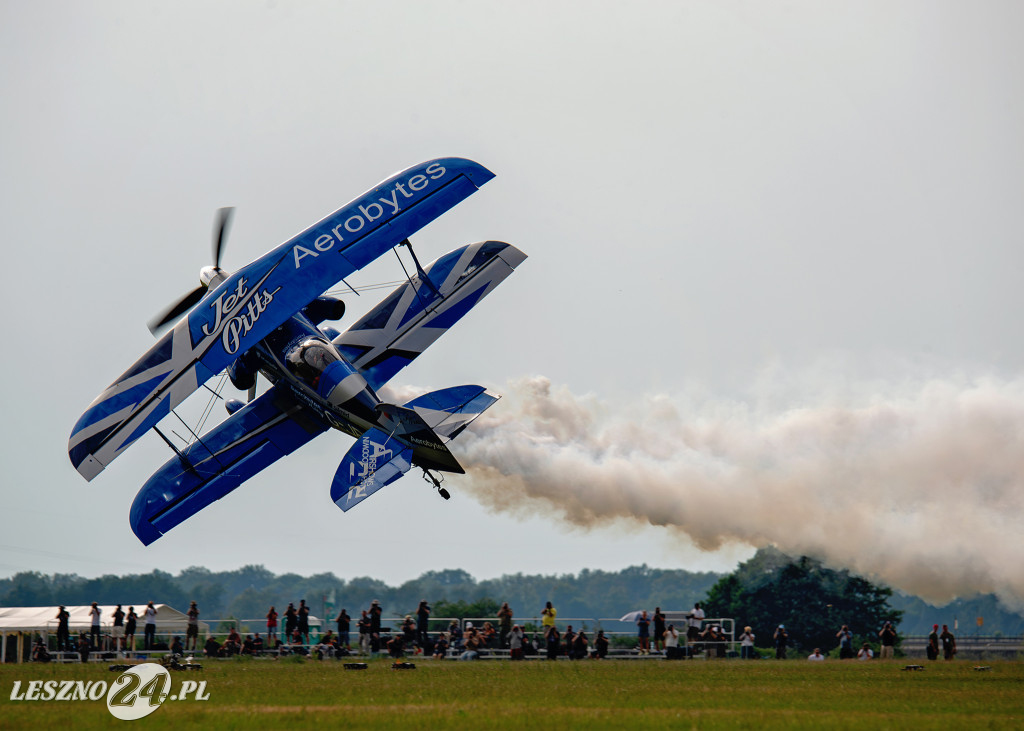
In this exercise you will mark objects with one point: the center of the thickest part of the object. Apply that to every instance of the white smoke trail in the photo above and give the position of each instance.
(924, 492)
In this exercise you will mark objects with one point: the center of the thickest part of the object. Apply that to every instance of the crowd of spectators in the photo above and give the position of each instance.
(465, 641)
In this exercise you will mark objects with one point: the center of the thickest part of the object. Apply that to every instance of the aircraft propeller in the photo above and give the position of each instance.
(208, 275)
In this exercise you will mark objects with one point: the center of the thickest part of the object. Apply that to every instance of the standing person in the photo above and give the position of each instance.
(375, 612)
(94, 615)
(150, 635)
(291, 621)
(567, 639)
(601, 644)
(302, 621)
(515, 642)
(579, 646)
(552, 638)
(422, 619)
(933, 643)
(547, 617)
(344, 626)
(271, 626)
(659, 629)
(643, 629)
(781, 640)
(948, 643)
(695, 619)
(63, 632)
(747, 644)
(504, 624)
(845, 637)
(888, 638)
(117, 632)
(670, 637)
(364, 633)
(129, 629)
(192, 631)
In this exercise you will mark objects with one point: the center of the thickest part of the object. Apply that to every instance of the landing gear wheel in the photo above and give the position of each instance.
(437, 483)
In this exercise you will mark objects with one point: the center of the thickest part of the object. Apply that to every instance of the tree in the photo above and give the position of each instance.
(485, 607)
(811, 600)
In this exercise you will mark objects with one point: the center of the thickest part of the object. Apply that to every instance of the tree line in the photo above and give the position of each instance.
(769, 589)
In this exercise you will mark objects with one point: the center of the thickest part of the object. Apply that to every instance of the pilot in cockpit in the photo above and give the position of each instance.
(308, 359)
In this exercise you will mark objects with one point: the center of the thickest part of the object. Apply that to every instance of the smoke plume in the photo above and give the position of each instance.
(923, 491)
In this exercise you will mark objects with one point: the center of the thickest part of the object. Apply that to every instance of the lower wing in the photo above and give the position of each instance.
(250, 440)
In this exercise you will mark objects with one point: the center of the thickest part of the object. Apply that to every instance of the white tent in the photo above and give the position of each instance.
(24, 621)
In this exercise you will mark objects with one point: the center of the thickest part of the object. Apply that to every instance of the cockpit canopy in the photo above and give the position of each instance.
(308, 359)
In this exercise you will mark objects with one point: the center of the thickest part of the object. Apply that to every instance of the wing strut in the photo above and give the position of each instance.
(419, 270)
(181, 455)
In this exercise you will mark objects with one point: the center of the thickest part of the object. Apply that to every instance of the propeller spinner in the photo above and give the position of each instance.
(208, 276)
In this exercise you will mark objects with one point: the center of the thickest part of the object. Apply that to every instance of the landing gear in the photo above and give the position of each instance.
(436, 481)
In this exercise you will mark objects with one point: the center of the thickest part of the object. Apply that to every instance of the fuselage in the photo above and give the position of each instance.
(299, 357)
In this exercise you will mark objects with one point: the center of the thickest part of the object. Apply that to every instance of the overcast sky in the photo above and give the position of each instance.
(727, 205)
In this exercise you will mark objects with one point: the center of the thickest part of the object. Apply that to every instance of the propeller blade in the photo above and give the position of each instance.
(176, 310)
(223, 222)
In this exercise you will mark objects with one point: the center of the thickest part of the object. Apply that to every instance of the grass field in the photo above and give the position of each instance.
(537, 694)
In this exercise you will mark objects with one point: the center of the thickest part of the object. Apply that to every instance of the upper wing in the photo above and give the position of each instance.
(248, 441)
(412, 317)
(253, 301)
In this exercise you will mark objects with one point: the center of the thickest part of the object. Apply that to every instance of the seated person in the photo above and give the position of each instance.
(84, 647)
(396, 647)
(471, 646)
(455, 635)
(489, 635)
(176, 647)
(408, 630)
(297, 647)
(247, 645)
(441, 647)
(233, 644)
(39, 652)
(529, 645)
(257, 644)
(212, 647)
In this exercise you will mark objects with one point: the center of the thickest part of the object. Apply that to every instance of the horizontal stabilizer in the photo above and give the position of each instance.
(375, 460)
(451, 410)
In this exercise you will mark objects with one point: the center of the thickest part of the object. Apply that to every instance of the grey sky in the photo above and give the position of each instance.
(723, 202)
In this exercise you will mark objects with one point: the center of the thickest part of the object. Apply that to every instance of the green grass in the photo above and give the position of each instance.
(537, 694)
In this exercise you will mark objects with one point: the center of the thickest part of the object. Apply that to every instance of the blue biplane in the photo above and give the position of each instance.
(267, 318)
